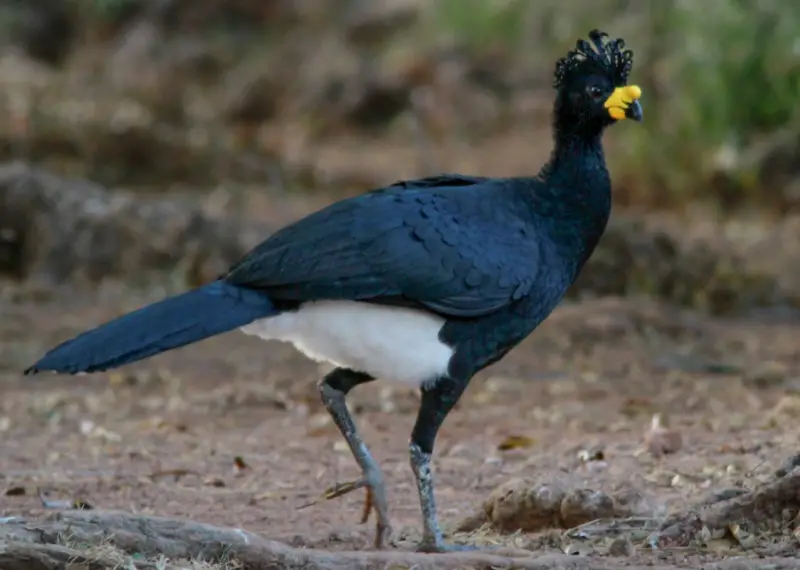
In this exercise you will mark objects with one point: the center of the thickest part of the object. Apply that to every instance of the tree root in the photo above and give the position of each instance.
(772, 507)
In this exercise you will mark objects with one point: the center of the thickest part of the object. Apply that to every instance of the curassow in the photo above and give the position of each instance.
(425, 281)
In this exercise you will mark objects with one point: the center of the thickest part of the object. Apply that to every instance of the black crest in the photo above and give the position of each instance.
(607, 57)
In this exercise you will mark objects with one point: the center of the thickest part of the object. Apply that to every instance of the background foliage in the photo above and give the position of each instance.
(259, 110)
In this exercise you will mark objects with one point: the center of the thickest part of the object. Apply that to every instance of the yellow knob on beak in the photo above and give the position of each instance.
(623, 103)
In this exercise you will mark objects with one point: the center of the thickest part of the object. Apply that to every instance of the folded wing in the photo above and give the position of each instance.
(435, 242)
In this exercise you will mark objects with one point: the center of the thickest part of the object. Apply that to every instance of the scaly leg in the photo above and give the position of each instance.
(333, 389)
(437, 401)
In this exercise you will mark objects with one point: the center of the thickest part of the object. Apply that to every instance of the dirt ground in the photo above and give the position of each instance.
(162, 437)
(231, 431)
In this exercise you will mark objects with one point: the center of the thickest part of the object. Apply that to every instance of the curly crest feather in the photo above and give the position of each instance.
(595, 55)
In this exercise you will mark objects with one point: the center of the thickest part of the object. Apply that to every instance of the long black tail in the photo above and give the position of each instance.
(171, 323)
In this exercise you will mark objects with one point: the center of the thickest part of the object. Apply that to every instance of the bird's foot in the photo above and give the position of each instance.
(438, 546)
(348, 487)
(375, 501)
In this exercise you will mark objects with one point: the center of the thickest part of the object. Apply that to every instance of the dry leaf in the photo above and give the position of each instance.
(584, 455)
(788, 405)
(335, 491)
(14, 491)
(515, 442)
(741, 536)
(593, 460)
(239, 466)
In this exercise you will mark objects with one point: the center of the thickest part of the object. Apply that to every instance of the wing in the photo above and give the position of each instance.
(458, 248)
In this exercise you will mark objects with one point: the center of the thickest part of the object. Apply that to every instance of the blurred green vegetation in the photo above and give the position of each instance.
(482, 23)
(272, 107)
(720, 78)
(721, 84)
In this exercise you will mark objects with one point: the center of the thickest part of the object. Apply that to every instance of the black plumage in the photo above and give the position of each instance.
(490, 258)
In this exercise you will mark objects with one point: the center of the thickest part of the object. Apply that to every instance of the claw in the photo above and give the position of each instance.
(382, 529)
(348, 487)
(344, 488)
(336, 491)
(368, 505)
(441, 547)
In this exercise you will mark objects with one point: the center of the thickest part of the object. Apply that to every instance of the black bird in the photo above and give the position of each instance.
(425, 281)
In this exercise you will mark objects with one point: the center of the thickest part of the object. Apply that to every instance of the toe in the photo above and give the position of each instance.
(460, 548)
(369, 503)
(382, 535)
(441, 547)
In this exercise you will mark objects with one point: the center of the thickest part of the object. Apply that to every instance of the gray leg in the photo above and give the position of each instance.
(437, 401)
(333, 389)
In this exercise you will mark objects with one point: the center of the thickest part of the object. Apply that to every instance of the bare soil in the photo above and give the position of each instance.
(231, 431)
(162, 437)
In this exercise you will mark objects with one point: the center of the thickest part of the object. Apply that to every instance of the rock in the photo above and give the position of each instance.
(634, 259)
(55, 229)
(558, 502)
(628, 258)
(621, 546)
(584, 505)
(788, 466)
(517, 505)
(660, 440)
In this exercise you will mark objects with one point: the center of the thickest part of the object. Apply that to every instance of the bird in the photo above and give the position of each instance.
(425, 281)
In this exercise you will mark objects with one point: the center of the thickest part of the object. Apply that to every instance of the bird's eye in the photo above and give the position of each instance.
(595, 91)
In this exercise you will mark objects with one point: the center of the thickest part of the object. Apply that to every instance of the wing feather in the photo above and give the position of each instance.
(433, 241)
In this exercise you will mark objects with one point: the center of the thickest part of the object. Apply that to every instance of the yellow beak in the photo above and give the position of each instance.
(623, 103)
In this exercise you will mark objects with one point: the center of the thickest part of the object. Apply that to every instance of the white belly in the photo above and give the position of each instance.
(389, 343)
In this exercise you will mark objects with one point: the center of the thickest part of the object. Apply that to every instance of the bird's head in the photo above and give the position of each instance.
(592, 85)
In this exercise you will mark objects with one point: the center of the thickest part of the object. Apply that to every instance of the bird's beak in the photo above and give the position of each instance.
(634, 111)
(623, 103)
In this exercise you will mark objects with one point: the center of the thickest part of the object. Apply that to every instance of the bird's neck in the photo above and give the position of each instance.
(577, 176)
(578, 164)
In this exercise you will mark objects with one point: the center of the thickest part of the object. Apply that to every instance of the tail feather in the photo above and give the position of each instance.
(171, 323)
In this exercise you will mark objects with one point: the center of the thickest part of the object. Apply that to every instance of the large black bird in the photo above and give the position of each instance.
(424, 281)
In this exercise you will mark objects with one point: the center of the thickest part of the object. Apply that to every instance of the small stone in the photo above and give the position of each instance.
(622, 546)
(660, 440)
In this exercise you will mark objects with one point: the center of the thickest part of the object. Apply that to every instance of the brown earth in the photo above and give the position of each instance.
(569, 411)
(161, 437)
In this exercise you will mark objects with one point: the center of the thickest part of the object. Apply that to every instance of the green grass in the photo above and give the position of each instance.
(725, 76)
